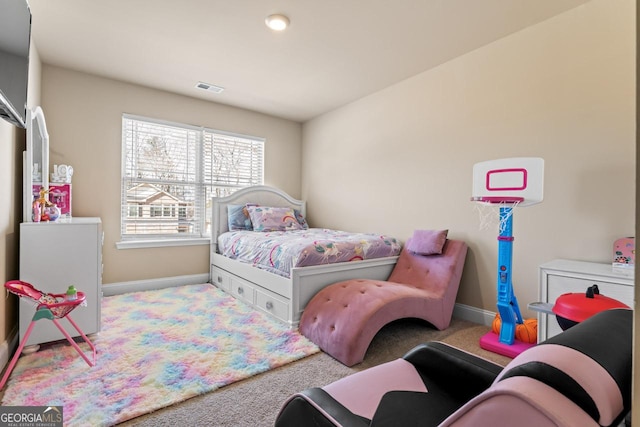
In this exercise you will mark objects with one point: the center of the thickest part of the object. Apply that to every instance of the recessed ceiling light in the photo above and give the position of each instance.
(277, 22)
(209, 87)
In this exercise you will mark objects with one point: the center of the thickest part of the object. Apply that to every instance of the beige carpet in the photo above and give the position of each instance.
(255, 402)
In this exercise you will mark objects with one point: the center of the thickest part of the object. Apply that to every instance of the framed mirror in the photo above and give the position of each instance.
(35, 160)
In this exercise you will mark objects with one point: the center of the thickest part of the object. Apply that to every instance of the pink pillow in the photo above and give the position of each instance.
(427, 242)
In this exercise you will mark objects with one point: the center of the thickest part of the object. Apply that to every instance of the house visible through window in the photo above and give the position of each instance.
(170, 171)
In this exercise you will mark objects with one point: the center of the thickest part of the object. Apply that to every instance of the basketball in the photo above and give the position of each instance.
(496, 324)
(527, 331)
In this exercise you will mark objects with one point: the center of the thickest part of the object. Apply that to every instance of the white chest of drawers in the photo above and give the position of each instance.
(561, 276)
(53, 256)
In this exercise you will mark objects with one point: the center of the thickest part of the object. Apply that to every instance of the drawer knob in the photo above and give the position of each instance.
(219, 279)
(240, 290)
(269, 305)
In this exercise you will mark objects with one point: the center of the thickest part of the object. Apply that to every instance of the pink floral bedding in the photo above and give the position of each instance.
(279, 251)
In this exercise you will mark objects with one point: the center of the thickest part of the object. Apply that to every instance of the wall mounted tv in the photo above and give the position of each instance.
(15, 37)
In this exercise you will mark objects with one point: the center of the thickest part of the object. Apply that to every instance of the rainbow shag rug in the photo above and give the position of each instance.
(156, 348)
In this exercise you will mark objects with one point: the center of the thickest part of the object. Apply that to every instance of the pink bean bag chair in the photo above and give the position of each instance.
(343, 318)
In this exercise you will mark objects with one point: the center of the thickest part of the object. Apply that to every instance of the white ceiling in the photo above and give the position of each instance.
(334, 52)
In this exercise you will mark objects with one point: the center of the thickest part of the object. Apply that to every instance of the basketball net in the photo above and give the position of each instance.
(489, 214)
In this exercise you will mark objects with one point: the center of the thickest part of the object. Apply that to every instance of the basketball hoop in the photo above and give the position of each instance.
(488, 210)
(498, 187)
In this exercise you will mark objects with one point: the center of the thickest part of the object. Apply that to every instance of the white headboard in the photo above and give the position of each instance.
(260, 194)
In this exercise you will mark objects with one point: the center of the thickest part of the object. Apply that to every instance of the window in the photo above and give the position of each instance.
(170, 171)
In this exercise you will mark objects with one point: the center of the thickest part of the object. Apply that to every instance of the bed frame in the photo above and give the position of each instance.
(282, 297)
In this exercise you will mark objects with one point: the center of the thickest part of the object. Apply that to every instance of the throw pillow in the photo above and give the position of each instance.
(427, 242)
(238, 217)
(266, 218)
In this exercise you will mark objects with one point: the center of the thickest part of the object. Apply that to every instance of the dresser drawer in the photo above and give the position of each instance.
(221, 279)
(559, 277)
(558, 285)
(243, 290)
(272, 305)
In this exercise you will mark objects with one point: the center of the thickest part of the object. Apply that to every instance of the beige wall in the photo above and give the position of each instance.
(401, 159)
(84, 117)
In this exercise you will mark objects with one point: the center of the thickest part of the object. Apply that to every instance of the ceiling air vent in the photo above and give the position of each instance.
(209, 87)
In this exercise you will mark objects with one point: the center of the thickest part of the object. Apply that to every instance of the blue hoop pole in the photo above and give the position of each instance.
(507, 302)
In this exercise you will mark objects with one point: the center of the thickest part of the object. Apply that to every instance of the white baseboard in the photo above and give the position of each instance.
(111, 289)
(473, 314)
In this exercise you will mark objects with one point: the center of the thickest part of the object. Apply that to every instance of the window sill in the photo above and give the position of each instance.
(161, 243)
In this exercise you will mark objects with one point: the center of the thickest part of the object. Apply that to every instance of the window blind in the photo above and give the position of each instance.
(170, 172)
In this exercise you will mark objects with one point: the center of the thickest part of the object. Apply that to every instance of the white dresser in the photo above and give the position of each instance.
(54, 255)
(561, 276)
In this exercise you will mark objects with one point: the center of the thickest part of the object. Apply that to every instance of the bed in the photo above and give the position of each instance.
(281, 294)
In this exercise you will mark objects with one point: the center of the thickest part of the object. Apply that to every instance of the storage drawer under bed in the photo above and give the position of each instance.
(263, 299)
(220, 278)
(267, 301)
(243, 290)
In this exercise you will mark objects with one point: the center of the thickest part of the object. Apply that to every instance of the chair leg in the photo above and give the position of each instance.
(84, 337)
(16, 356)
(46, 314)
(73, 343)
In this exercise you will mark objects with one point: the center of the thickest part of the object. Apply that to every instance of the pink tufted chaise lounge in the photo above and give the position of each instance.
(343, 318)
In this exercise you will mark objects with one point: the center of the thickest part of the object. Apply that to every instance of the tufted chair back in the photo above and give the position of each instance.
(580, 377)
(434, 273)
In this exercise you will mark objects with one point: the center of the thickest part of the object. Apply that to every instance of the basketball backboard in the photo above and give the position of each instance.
(518, 179)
